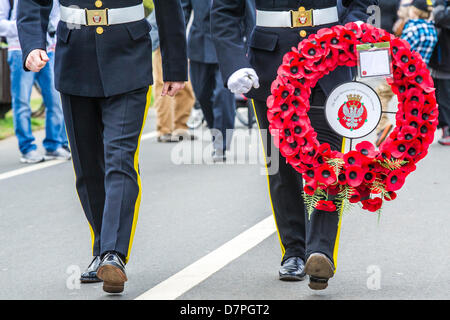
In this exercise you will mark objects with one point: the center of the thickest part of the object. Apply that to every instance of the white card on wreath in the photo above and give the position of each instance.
(374, 60)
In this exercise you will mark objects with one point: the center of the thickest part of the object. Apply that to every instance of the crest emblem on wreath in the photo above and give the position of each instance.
(353, 114)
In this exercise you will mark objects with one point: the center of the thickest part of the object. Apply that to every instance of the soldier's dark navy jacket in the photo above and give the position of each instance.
(268, 45)
(114, 62)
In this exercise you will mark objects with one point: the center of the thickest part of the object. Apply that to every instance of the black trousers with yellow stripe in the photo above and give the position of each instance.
(104, 136)
(299, 236)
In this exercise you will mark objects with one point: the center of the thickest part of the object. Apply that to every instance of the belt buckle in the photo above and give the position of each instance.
(96, 17)
(302, 18)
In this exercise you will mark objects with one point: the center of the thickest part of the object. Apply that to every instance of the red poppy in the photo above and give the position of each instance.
(327, 206)
(395, 180)
(289, 148)
(334, 189)
(310, 188)
(325, 174)
(342, 178)
(275, 120)
(355, 28)
(312, 51)
(366, 149)
(391, 195)
(408, 168)
(355, 196)
(372, 205)
(412, 109)
(355, 158)
(369, 176)
(398, 148)
(407, 133)
(354, 175)
(414, 150)
(364, 192)
(423, 79)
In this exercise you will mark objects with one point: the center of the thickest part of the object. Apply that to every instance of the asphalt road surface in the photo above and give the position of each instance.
(205, 232)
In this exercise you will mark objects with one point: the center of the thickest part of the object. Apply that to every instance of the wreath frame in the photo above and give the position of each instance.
(336, 180)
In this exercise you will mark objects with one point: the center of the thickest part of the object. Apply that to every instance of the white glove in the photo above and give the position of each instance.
(243, 80)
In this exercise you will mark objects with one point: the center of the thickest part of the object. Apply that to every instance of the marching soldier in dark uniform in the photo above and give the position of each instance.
(309, 246)
(103, 70)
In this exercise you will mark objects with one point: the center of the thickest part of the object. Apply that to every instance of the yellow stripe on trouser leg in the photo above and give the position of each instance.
(336, 242)
(136, 168)
(283, 250)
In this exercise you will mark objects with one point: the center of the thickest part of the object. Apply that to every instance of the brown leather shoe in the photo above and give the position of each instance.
(320, 269)
(112, 272)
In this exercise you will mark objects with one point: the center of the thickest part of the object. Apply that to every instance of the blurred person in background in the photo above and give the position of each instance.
(389, 9)
(440, 67)
(403, 16)
(421, 34)
(217, 102)
(389, 13)
(55, 142)
(172, 113)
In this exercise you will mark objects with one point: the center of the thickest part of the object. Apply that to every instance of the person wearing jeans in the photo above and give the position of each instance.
(55, 142)
(21, 86)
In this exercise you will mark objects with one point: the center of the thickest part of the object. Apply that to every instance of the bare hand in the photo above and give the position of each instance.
(36, 60)
(171, 88)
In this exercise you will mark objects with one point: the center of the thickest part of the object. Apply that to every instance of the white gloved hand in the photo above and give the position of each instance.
(243, 80)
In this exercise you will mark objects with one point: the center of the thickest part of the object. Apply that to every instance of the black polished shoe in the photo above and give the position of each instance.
(112, 272)
(319, 268)
(293, 269)
(90, 275)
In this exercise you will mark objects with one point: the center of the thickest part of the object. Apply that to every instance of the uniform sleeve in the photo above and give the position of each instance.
(172, 38)
(32, 24)
(226, 17)
(356, 10)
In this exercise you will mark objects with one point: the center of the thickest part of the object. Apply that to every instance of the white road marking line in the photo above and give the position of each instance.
(202, 269)
(31, 168)
(149, 135)
(47, 164)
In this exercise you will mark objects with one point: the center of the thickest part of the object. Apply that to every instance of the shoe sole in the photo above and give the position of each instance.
(31, 161)
(90, 281)
(113, 278)
(292, 278)
(384, 134)
(48, 158)
(318, 266)
(444, 143)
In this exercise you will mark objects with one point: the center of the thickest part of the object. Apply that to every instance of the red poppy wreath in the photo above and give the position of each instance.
(366, 175)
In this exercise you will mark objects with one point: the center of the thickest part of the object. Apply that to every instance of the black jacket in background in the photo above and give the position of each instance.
(440, 59)
(117, 61)
(389, 16)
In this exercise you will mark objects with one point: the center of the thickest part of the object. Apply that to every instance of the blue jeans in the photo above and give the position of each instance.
(21, 86)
